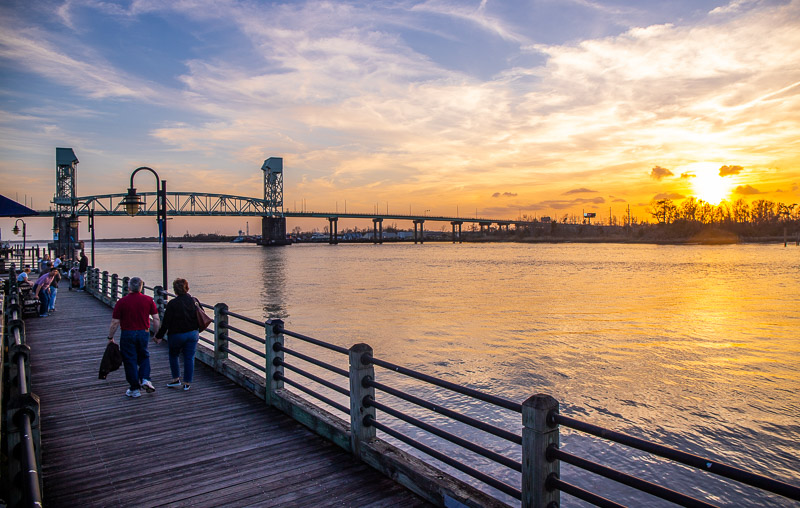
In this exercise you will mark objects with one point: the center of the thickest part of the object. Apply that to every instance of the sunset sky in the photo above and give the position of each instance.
(537, 107)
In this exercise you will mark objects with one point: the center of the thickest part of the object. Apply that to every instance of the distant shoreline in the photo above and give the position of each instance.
(674, 241)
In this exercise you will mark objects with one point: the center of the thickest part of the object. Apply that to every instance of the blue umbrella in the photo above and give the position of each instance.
(10, 208)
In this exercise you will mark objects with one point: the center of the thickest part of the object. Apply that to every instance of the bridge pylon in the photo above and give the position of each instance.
(273, 224)
(65, 222)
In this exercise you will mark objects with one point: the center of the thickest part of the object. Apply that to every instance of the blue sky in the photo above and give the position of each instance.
(514, 107)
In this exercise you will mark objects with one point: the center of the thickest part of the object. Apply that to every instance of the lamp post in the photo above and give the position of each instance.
(74, 224)
(133, 202)
(91, 229)
(24, 234)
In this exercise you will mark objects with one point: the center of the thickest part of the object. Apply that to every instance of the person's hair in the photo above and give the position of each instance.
(135, 285)
(181, 286)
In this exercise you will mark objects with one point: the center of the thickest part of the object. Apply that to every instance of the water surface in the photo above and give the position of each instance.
(691, 346)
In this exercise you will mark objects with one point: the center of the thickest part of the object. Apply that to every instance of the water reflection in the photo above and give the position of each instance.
(273, 274)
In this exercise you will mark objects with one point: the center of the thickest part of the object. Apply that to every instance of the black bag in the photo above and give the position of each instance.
(111, 361)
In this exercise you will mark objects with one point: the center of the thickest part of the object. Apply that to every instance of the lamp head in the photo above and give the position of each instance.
(15, 230)
(132, 202)
(74, 222)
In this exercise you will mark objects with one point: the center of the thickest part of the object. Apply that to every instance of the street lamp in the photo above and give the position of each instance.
(132, 202)
(91, 229)
(24, 234)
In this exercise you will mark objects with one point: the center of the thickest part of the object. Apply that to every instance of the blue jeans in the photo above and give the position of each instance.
(53, 293)
(135, 356)
(83, 281)
(44, 301)
(186, 344)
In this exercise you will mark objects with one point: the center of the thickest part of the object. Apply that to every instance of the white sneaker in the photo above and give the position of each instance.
(133, 393)
(148, 386)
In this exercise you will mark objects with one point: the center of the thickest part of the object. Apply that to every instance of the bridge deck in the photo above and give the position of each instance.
(211, 446)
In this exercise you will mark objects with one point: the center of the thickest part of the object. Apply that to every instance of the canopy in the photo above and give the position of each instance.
(10, 208)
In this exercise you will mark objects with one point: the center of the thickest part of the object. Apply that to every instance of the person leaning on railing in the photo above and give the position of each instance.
(181, 327)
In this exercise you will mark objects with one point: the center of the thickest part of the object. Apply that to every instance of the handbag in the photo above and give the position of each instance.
(203, 319)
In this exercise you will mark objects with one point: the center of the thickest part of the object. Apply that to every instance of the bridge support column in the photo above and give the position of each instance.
(421, 237)
(273, 231)
(454, 224)
(333, 230)
(377, 230)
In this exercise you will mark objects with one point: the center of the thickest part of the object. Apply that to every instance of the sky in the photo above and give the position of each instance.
(496, 108)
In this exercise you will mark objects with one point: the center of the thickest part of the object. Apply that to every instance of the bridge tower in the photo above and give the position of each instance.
(273, 224)
(65, 222)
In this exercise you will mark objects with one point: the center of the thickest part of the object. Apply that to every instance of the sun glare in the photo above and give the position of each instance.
(707, 184)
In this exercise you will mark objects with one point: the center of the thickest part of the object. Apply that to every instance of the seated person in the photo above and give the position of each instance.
(23, 275)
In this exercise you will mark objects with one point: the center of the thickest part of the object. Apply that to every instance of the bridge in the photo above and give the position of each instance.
(162, 203)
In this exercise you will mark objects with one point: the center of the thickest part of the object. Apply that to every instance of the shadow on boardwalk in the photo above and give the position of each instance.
(211, 446)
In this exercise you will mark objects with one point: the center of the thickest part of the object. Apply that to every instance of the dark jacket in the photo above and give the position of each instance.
(111, 361)
(180, 316)
(84, 264)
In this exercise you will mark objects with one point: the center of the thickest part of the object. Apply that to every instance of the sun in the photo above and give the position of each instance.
(706, 182)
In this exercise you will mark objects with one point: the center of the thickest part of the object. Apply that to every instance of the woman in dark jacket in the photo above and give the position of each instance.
(180, 326)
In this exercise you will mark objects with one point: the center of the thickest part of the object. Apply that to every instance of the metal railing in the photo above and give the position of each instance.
(21, 433)
(265, 365)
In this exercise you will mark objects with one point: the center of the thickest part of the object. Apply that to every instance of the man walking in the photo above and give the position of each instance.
(132, 313)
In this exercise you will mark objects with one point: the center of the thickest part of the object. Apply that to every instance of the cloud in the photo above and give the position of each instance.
(668, 195)
(746, 190)
(658, 173)
(618, 200)
(688, 175)
(730, 170)
(504, 195)
(582, 190)
(733, 7)
(564, 204)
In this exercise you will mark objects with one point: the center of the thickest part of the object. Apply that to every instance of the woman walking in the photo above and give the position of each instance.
(180, 326)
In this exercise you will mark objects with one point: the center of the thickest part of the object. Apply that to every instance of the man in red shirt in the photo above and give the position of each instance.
(132, 313)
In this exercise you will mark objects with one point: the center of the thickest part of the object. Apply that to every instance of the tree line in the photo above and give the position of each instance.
(761, 217)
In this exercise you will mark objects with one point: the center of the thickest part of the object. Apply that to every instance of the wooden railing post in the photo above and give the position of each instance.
(360, 433)
(220, 335)
(537, 435)
(114, 288)
(274, 338)
(104, 288)
(160, 297)
(125, 282)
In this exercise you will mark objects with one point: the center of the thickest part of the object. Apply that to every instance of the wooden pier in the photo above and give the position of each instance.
(214, 445)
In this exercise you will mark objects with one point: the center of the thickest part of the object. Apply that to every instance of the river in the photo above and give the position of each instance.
(695, 347)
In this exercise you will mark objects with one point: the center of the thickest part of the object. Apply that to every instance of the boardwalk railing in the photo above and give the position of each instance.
(265, 365)
(21, 480)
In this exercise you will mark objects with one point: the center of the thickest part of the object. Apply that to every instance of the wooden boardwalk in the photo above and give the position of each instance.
(215, 445)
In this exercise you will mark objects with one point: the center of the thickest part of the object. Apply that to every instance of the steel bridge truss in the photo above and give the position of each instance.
(178, 204)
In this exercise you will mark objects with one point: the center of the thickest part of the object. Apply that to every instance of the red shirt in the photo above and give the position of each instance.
(134, 310)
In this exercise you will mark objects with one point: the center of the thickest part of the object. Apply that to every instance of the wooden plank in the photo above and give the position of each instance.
(216, 444)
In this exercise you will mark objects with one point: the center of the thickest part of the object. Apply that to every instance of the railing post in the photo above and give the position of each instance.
(114, 288)
(125, 282)
(359, 432)
(104, 288)
(274, 359)
(220, 335)
(160, 297)
(537, 436)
